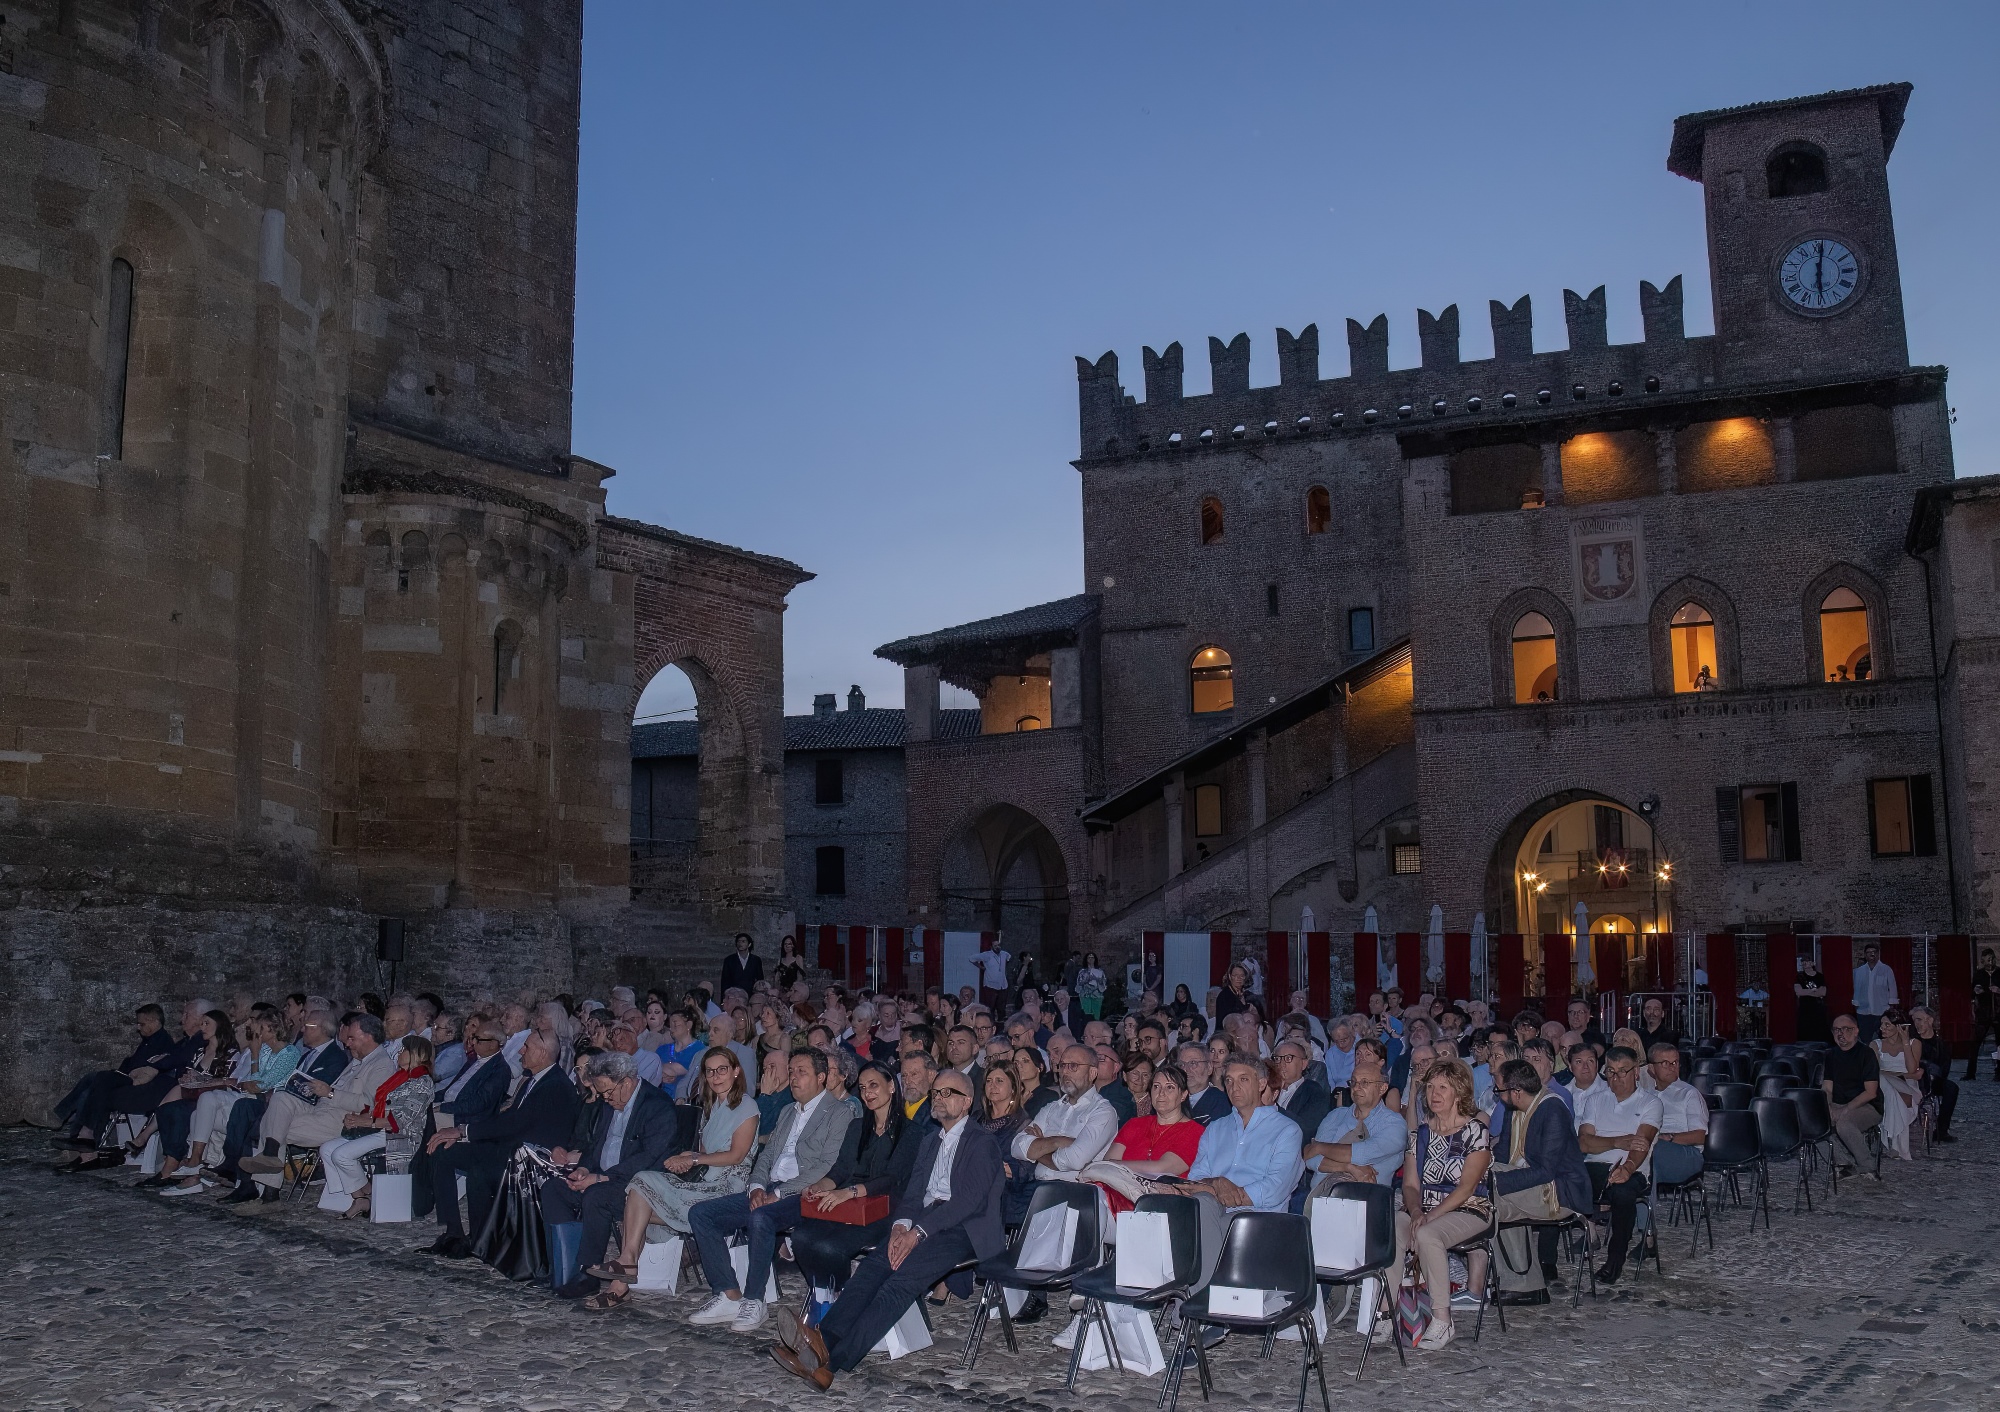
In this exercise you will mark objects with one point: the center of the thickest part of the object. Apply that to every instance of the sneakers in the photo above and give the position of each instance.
(750, 1316)
(182, 1189)
(1465, 1299)
(1436, 1336)
(719, 1310)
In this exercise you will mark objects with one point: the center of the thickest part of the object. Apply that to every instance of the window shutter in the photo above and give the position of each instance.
(1874, 833)
(1789, 803)
(1923, 830)
(1728, 822)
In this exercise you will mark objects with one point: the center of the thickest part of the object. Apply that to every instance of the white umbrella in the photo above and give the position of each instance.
(1434, 948)
(1479, 943)
(1368, 923)
(1585, 972)
(1305, 919)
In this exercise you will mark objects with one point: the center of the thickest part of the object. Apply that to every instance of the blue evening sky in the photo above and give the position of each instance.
(835, 258)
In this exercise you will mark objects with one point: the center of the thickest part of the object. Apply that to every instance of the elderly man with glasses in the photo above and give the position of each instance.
(1852, 1078)
(1616, 1129)
(1538, 1173)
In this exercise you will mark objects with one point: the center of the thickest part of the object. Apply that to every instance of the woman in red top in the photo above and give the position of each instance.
(1159, 1144)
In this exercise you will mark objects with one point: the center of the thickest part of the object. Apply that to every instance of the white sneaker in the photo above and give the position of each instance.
(719, 1310)
(182, 1189)
(750, 1316)
(1436, 1336)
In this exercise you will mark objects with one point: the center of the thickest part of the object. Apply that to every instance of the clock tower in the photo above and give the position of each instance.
(1801, 244)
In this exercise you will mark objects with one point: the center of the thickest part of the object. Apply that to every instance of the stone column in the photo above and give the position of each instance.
(1784, 450)
(1552, 473)
(1065, 689)
(1172, 793)
(920, 703)
(1254, 753)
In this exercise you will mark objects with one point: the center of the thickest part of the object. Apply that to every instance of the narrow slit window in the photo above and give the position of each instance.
(506, 668)
(1211, 520)
(117, 362)
(1319, 510)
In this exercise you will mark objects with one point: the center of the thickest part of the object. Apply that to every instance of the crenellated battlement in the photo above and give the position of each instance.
(1375, 397)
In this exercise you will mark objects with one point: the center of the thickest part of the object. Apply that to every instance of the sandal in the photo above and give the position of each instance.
(612, 1270)
(605, 1300)
(358, 1211)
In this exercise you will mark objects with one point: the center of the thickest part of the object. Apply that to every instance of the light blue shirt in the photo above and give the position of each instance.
(1261, 1156)
(614, 1136)
(1381, 1146)
(1339, 1066)
(1482, 1088)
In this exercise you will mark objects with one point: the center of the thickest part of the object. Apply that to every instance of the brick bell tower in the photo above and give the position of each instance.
(1801, 242)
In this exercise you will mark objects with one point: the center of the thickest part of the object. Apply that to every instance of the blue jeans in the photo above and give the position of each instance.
(715, 1220)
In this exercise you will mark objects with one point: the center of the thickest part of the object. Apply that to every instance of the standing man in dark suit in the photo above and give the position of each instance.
(949, 1213)
(541, 1112)
(742, 969)
(634, 1127)
(1985, 1013)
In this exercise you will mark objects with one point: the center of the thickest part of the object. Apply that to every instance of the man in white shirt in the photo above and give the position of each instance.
(1074, 1130)
(1615, 1129)
(1583, 1079)
(1874, 991)
(514, 1022)
(1677, 1154)
(992, 967)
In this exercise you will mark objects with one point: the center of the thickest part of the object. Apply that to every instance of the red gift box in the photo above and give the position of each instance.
(863, 1212)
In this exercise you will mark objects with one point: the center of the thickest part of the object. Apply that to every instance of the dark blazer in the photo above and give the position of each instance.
(883, 1166)
(1213, 1103)
(740, 973)
(546, 1119)
(978, 1187)
(153, 1051)
(1309, 1106)
(1073, 1019)
(1552, 1156)
(1120, 1098)
(331, 1063)
(484, 1092)
(652, 1134)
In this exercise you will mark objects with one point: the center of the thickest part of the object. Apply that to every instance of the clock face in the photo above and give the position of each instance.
(1819, 275)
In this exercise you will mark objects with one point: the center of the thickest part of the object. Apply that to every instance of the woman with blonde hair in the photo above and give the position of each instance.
(1445, 1196)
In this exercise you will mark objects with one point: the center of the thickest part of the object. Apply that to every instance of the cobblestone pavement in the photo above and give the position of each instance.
(1889, 1296)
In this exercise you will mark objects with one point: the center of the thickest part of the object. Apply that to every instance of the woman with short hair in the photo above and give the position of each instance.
(1445, 1196)
(392, 1126)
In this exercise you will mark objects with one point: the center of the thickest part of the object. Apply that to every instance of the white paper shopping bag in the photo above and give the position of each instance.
(909, 1334)
(1049, 1239)
(739, 1261)
(389, 1198)
(1145, 1254)
(660, 1265)
(1291, 1331)
(1137, 1343)
(1339, 1232)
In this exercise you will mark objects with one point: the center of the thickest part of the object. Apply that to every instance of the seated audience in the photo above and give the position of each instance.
(1068, 1133)
(1445, 1194)
(803, 1148)
(1362, 1142)
(542, 1112)
(1251, 1156)
(1537, 1174)
(918, 1068)
(1934, 1059)
(949, 1214)
(1110, 1080)
(1852, 1079)
(1616, 1129)
(660, 1199)
(632, 1128)
(1677, 1152)
(1161, 1142)
(134, 1088)
(310, 1112)
(391, 1126)
(1205, 1102)
(876, 1159)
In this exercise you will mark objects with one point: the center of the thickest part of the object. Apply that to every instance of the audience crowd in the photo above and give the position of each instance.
(766, 1119)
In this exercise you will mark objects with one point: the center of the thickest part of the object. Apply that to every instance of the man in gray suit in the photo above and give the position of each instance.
(801, 1150)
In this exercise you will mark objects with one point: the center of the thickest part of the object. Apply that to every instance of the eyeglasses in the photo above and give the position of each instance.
(1625, 1072)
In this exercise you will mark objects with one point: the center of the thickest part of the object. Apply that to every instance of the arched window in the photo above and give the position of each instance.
(1534, 659)
(1211, 681)
(506, 668)
(1319, 510)
(1211, 519)
(117, 358)
(1844, 650)
(1796, 169)
(1692, 638)
(1028, 723)
(416, 555)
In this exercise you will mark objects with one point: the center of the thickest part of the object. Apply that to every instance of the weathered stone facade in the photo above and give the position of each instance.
(1431, 635)
(307, 613)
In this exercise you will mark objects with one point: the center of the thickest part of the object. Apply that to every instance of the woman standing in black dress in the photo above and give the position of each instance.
(790, 967)
(1810, 988)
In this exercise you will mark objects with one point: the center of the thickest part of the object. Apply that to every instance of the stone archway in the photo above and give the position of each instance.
(1004, 871)
(1579, 846)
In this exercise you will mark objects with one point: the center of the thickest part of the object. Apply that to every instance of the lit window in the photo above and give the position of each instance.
(1843, 637)
(1692, 635)
(1211, 519)
(1900, 818)
(1207, 810)
(1319, 510)
(1211, 681)
(1028, 723)
(1407, 858)
(1770, 815)
(1534, 659)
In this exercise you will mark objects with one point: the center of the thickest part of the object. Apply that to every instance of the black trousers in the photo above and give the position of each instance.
(825, 1250)
(483, 1165)
(98, 1095)
(1623, 1199)
(1947, 1096)
(598, 1206)
(877, 1296)
(1984, 1023)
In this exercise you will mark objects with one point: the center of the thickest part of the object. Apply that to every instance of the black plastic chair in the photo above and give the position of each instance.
(1464, 1249)
(1778, 1131)
(1379, 1253)
(1742, 1067)
(1815, 1115)
(1684, 1196)
(1270, 1250)
(1706, 1085)
(1775, 1085)
(1733, 1149)
(1100, 1286)
(1732, 1098)
(1715, 1067)
(1768, 1067)
(999, 1273)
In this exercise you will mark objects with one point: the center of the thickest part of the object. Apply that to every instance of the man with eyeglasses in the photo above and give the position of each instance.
(1616, 1129)
(950, 1212)
(1538, 1173)
(1068, 1134)
(1852, 1078)
(475, 1091)
(1677, 1156)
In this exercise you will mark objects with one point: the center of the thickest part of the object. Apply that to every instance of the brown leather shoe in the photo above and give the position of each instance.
(820, 1377)
(801, 1338)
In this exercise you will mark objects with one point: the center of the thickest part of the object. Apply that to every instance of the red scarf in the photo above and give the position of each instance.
(396, 1081)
